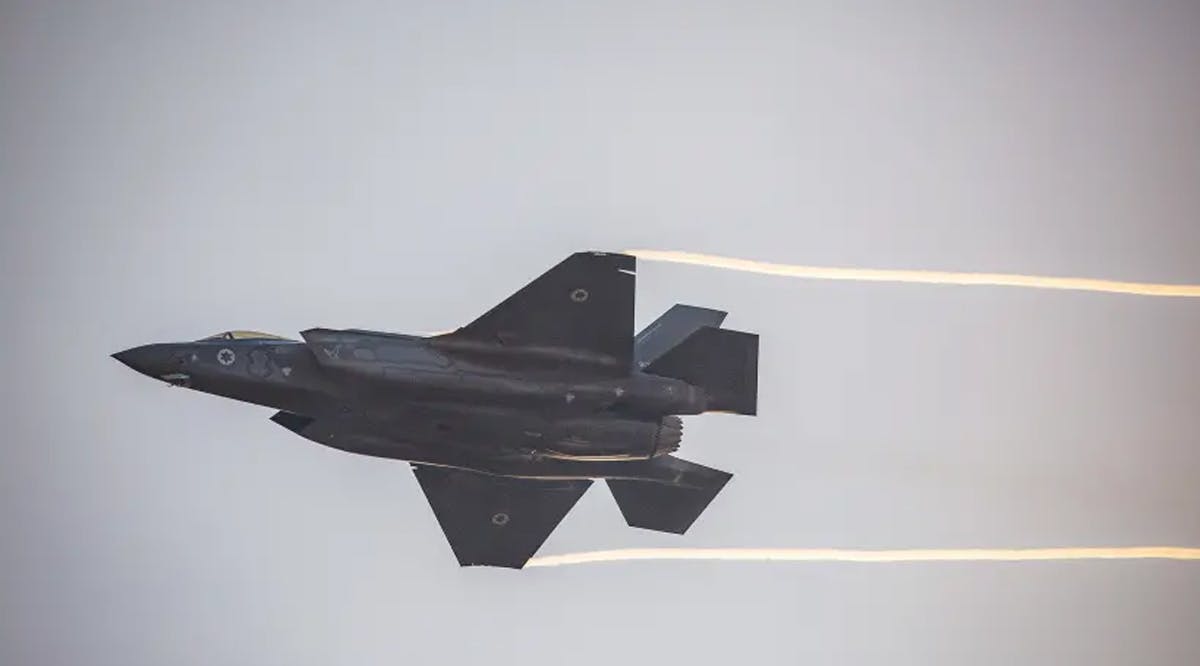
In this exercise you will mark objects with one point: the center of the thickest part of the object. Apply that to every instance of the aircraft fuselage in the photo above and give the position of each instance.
(381, 387)
(508, 419)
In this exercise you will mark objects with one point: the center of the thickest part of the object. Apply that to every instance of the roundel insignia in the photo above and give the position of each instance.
(226, 356)
(579, 295)
(500, 519)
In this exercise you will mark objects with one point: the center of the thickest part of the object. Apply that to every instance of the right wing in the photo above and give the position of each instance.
(670, 329)
(495, 520)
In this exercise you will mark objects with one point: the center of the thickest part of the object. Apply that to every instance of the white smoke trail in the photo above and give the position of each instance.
(921, 277)
(909, 555)
(871, 556)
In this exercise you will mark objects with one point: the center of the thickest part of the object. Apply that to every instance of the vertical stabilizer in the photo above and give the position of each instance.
(670, 329)
(724, 363)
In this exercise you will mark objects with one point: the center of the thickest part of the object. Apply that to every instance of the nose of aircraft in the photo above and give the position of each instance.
(151, 360)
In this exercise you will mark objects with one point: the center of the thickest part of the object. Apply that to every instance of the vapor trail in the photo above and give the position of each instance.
(908, 555)
(922, 277)
(872, 556)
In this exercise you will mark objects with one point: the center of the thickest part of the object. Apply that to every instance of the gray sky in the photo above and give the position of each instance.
(169, 170)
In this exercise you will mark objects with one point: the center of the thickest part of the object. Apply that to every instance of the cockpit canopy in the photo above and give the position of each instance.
(244, 335)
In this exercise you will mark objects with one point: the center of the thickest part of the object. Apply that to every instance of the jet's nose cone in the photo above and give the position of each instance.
(152, 360)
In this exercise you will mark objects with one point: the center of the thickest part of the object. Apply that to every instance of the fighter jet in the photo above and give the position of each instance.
(507, 420)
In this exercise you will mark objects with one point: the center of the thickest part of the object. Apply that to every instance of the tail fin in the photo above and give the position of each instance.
(654, 505)
(723, 363)
(671, 328)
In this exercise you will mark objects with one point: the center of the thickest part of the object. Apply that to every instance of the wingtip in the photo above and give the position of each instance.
(620, 260)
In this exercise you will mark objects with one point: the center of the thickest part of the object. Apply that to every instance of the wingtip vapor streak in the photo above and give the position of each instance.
(507, 420)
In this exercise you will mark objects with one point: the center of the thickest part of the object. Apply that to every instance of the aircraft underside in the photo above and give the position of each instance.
(507, 420)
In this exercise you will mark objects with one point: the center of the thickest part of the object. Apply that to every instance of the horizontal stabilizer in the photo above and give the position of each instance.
(724, 363)
(494, 520)
(665, 507)
(671, 328)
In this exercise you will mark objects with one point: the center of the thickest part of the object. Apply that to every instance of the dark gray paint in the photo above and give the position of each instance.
(166, 166)
(543, 389)
(670, 329)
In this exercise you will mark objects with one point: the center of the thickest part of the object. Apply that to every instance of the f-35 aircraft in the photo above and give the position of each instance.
(507, 420)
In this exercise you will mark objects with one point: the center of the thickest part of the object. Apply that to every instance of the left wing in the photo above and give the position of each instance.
(494, 520)
(584, 304)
